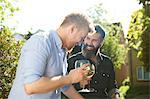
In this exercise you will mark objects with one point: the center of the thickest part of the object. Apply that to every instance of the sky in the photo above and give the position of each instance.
(47, 14)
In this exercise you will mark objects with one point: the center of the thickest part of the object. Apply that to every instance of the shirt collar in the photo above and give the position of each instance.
(99, 54)
(58, 41)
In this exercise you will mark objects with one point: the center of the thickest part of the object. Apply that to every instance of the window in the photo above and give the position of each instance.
(142, 74)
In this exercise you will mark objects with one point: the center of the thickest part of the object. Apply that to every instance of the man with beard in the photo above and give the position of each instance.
(103, 84)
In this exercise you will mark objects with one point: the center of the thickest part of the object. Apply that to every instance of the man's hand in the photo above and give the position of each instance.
(115, 96)
(78, 74)
(83, 83)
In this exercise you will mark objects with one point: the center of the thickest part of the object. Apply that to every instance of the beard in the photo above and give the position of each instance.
(89, 53)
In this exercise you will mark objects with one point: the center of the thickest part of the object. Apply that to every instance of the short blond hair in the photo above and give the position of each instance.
(80, 20)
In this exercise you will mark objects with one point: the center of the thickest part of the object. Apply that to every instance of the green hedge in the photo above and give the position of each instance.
(9, 54)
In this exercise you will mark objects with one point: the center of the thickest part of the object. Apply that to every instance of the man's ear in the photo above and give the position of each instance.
(73, 29)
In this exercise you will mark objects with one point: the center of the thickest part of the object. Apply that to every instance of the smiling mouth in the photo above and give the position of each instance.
(90, 48)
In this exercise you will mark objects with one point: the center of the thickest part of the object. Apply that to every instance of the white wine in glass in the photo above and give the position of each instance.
(90, 68)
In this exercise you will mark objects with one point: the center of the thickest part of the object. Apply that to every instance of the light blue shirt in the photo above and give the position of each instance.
(41, 55)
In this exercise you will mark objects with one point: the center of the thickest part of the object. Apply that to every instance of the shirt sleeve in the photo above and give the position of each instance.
(33, 59)
(112, 88)
(65, 88)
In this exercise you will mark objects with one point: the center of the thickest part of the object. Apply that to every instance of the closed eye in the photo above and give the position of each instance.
(87, 38)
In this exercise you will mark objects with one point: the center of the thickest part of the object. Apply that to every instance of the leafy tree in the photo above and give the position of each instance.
(139, 33)
(9, 53)
(97, 14)
(113, 45)
(7, 10)
(146, 6)
(145, 54)
(9, 49)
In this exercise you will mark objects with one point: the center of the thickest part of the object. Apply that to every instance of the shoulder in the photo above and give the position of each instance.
(77, 55)
(39, 41)
(45, 35)
(41, 37)
(106, 59)
(104, 56)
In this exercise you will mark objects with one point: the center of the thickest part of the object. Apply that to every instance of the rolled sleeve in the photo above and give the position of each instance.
(34, 57)
(65, 88)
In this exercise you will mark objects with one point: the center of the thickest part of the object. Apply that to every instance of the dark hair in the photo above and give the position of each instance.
(98, 29)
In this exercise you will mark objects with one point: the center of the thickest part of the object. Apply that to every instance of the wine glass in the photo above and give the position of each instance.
(90, 69)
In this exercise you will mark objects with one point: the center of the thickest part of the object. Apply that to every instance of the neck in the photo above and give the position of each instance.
(94, 59)
(61, 34)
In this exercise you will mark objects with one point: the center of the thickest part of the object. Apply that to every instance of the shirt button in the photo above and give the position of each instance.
(107, 75)
(103, 74)
(95, 82)
(95, 90)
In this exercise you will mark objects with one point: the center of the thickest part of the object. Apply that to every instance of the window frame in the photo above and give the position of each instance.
(137, 76)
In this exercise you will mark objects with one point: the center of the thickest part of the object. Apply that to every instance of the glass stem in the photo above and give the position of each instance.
(89, 85)
(83, 86)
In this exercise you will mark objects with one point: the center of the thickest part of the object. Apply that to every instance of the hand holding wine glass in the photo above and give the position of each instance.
(78, 74)
(90, 71)
(90, 68)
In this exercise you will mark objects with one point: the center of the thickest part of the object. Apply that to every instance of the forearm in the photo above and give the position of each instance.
(46, 84)
(71, 93)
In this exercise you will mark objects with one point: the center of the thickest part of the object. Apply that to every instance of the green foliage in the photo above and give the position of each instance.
(9, 49)
(146, 6)
(135, 30)
(139, 35)
(137, 90)
(145, 52)
(97, 15)
(113, 45)
(116, 51)
(7, 9)
(9, 54)
(124, 88)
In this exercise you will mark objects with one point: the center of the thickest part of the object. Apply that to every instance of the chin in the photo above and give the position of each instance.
(70, 48)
